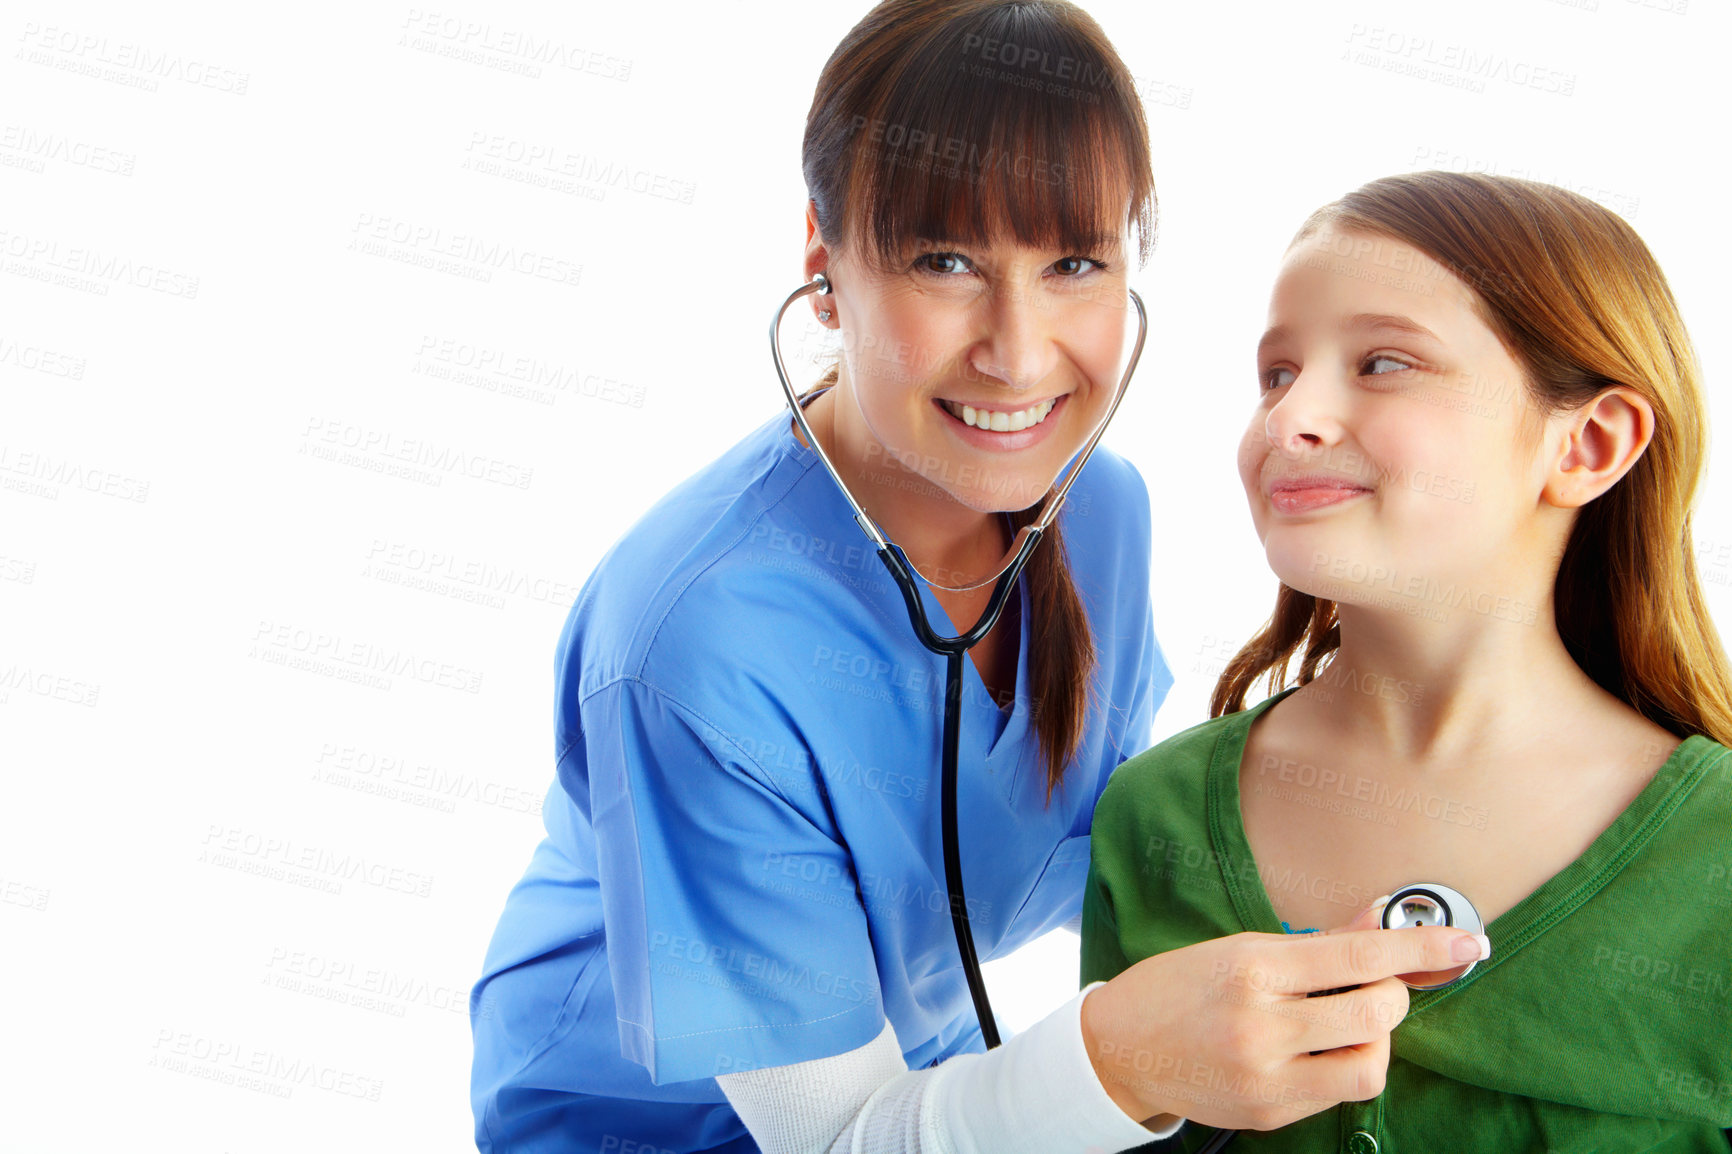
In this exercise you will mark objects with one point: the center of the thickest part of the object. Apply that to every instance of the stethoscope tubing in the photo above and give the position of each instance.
(952, 649)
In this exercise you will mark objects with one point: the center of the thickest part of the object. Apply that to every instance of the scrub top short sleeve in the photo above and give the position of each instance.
(728, 910)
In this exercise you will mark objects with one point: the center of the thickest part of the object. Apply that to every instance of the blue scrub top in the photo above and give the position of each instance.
(743, 864)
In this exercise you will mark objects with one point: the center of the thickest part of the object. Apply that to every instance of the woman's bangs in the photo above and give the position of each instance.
(971, 150)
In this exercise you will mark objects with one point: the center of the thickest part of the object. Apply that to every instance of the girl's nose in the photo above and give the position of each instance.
(1304, 419)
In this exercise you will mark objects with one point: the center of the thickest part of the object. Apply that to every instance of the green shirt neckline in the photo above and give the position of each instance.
(1556, 898)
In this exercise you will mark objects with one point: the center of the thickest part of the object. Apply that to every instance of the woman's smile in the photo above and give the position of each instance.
(1000, 429)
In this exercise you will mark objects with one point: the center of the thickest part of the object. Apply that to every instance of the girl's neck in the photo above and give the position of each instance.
(1440, 694)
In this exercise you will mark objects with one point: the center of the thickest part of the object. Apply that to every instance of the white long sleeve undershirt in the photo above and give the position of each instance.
(1035, 1094)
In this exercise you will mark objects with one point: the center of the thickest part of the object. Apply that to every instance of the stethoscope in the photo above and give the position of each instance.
(952, 648)
(1415, 905)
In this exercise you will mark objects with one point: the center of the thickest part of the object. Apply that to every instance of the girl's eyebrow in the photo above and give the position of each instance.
(1400, 324)
(1390, 321)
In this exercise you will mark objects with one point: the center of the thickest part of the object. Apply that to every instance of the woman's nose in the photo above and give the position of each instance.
(1018, 350)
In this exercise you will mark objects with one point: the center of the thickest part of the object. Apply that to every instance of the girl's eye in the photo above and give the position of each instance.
(1071, 265)
(1372, 362)
(1275, 378)
(941, 263)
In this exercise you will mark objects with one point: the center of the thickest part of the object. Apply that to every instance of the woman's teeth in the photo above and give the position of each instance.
(1000, 422)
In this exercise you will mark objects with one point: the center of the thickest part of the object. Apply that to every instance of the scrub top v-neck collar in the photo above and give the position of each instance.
(1558, 897)
(1006, 726)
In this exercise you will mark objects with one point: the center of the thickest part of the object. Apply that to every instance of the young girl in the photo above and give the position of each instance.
(1477, 438)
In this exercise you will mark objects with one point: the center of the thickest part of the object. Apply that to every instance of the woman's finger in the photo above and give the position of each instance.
(1357, 957)
(1351, 1018)
(1350, 1074)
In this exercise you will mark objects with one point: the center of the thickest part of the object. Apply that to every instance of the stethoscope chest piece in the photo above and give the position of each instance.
(1430, 904)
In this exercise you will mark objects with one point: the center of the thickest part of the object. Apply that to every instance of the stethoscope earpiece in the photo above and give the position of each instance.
(1430, 904)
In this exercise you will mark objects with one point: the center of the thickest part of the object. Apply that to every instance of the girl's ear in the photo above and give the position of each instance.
(1602, 440)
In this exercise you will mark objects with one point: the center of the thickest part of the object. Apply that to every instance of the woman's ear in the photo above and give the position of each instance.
(818, 260)
(1602, 440)
(817, 253)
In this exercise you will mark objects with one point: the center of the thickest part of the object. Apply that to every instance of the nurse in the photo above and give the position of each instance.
(735, 935)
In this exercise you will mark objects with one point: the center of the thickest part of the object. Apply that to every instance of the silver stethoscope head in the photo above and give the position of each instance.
(1430, 904)
(1055, 499)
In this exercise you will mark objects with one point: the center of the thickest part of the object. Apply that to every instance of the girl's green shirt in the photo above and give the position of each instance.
(1601, 1022)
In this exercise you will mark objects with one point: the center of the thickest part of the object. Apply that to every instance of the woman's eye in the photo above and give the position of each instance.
(1275, 378)
(1072, 265)
(942, 263)
(1371, 363)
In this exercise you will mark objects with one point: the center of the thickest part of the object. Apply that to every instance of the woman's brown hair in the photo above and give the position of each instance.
(969, 121)
(1581, 305)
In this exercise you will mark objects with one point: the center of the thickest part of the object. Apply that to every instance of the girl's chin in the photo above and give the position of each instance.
(1313, 574)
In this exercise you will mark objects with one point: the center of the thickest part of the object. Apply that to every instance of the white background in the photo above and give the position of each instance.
(192, 320)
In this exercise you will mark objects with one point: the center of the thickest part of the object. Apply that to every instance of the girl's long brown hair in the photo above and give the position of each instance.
(1581, 305)
(972, 120)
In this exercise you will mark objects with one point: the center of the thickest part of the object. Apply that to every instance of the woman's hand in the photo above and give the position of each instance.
(1223, 1033)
